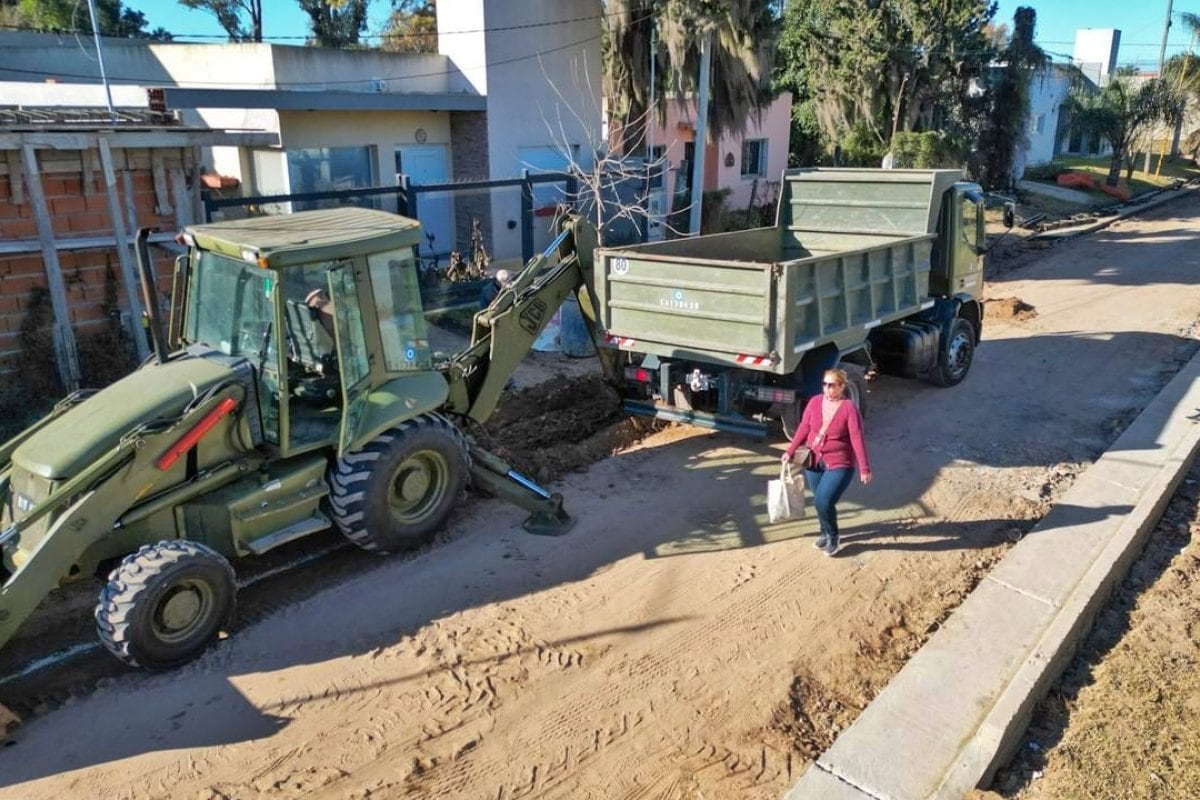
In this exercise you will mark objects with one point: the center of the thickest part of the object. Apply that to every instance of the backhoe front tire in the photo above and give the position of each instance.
(164, 604)
(396, 492)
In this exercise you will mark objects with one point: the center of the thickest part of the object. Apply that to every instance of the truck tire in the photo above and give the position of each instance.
(856, 385)
(856, 390)
(954, 360)
(164, 604)
(397, 491)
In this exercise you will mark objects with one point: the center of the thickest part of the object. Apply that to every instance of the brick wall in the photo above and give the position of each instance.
(72, 181)
(469, 161)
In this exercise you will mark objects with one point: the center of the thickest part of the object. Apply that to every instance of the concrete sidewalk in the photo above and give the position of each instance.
(1135, 206)
(956, 712)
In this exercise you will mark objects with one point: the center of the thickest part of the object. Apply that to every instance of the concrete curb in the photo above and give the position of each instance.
(1164, 196)
(957, 710)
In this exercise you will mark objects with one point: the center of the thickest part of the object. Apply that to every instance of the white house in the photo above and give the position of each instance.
(491, 103)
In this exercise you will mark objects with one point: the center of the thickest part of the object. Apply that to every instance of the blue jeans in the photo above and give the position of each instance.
(827, 486)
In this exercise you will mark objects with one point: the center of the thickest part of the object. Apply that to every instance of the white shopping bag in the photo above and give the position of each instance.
(785, 496)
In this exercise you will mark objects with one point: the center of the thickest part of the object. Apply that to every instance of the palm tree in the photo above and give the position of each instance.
(1120, 113)
(744, 35)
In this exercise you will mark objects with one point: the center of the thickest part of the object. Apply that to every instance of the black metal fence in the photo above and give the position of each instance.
(405, 198)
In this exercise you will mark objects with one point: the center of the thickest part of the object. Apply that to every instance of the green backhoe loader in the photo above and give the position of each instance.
(299, 385)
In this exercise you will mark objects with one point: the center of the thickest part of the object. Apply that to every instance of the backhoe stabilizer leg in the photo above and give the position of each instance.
(547, 517)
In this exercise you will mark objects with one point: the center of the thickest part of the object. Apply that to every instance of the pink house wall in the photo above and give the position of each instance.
(774, 126)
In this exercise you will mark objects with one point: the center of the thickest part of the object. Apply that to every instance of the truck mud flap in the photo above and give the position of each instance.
(727, 424)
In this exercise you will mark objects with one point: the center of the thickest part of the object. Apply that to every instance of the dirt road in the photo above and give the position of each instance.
(673, 644)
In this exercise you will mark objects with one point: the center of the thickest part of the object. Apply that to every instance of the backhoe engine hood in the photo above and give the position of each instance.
(156, 391)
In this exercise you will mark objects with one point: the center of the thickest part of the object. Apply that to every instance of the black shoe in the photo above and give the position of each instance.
(831, 547)
(822, 542)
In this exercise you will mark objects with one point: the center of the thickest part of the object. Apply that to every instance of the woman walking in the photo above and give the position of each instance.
(832, 429)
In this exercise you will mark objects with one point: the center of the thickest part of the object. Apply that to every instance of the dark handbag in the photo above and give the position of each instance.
(805, 457)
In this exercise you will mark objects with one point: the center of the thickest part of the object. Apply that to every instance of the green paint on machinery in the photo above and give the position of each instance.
(299, 385)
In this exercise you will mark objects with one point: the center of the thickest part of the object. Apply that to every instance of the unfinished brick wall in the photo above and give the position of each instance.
(73, 183)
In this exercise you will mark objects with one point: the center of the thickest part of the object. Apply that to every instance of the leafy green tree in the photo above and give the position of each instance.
(744, 33)
(1008, 101)
(241, 19)
(411, 27)
(335, 23)
(1121, 113)
(68, 15)
(874, 67)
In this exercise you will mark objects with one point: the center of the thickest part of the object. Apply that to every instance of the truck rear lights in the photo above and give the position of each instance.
(773, 394)
(638, 374)
(189, 439)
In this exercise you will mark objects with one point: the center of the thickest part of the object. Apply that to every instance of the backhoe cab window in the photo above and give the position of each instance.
(229, 307)
(402, 325)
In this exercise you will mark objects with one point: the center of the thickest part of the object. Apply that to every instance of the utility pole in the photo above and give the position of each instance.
(701, 135)
(1162, 59)
(112, 113)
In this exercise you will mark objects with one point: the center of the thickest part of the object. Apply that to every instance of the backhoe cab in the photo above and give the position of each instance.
(299, 386)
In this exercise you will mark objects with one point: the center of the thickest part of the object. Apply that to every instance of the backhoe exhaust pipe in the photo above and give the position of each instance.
(150, 293)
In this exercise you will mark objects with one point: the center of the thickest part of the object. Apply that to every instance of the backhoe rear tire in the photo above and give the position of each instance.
(164, 604)
(397, 492)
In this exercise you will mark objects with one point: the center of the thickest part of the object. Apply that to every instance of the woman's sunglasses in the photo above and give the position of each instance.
(830, 383)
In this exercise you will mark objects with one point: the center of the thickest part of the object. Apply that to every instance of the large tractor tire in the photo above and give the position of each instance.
(397, 491)
(954, 360)
(164, 604)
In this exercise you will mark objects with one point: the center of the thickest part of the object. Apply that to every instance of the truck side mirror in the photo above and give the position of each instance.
(1010, 214)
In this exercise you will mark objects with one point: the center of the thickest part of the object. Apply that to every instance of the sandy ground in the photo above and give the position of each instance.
(673, 644)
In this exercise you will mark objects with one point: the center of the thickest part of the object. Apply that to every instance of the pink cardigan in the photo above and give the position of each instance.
(843, 445)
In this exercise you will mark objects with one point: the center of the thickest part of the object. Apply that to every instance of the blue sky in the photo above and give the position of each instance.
(1140, 23)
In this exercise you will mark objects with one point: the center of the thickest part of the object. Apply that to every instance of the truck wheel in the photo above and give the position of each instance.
(856, 385)
(164, 604)
(954, 361)
(396, 492)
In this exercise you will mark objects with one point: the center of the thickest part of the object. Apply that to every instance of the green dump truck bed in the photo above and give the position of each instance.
(850, 250)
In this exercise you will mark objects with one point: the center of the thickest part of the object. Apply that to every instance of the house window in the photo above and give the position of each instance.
(754, 158)
(1037, 124)
(324, 169)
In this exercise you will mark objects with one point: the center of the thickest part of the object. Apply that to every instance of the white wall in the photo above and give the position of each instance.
(461, 37)
(1046, 95)
(546, 100)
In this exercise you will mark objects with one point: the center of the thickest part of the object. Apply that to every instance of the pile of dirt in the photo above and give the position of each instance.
(1006, 308)
(553, 428)
(1124, 719)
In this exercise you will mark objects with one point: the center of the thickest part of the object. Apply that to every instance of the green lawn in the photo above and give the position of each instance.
(1159, 176)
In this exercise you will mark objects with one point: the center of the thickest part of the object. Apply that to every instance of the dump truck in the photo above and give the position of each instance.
(866, 269)
(298, 386)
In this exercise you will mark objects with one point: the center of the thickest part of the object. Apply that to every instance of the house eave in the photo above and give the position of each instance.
(295, 100)
(81, 139)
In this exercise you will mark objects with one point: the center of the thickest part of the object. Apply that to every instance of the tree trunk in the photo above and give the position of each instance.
(1114, 170)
